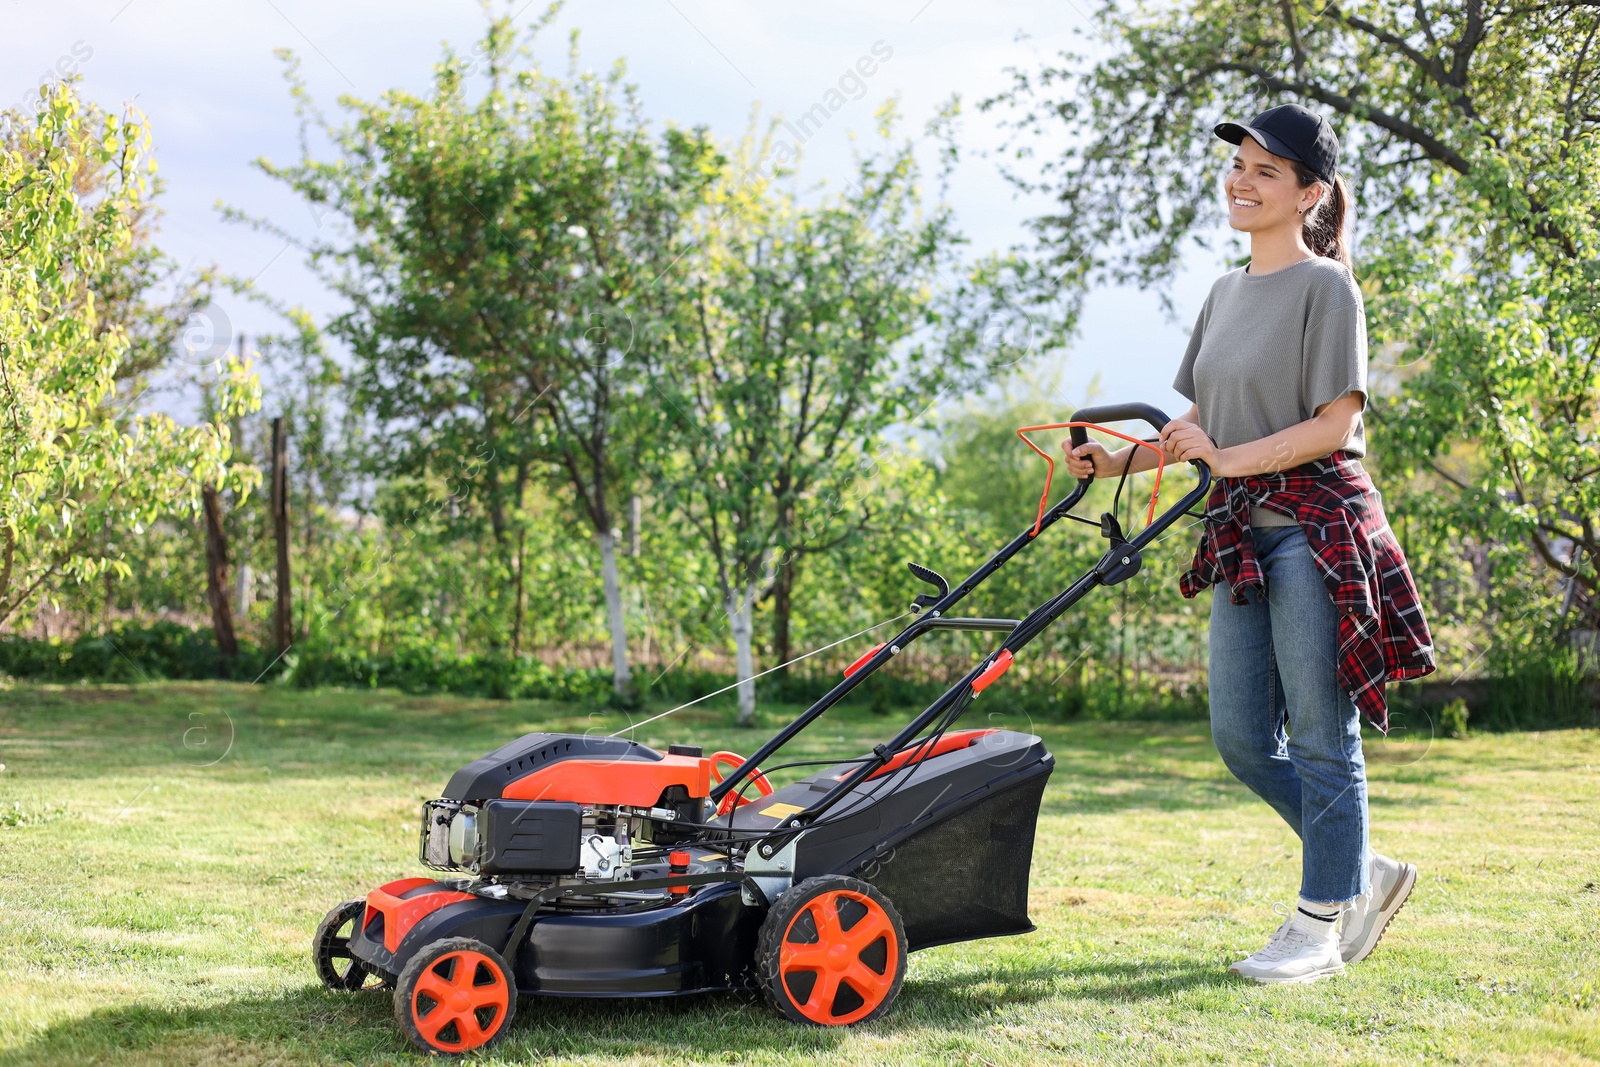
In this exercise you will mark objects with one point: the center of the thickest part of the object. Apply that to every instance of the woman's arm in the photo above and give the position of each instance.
(1321, 435)
(1093, 457)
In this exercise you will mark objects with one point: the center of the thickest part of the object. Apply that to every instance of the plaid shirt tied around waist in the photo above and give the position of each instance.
(1383, 635)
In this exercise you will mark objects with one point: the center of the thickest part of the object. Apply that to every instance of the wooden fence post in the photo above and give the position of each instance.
(282, 617)
(217, 572)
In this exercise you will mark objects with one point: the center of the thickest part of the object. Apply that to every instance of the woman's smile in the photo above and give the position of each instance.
(1262, 191)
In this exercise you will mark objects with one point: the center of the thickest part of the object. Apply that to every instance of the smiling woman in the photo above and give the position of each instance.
(1313, 608)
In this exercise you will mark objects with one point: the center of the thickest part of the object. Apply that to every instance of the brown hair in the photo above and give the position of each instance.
(1324, 222)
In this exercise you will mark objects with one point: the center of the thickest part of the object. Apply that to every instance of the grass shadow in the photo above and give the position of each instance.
(976, 994)
(315, 1026)
(312, 1025)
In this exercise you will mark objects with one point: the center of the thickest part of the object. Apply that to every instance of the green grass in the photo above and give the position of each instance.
(159, 886)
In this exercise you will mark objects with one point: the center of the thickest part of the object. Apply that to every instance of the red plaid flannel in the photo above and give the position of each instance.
(1382, 632)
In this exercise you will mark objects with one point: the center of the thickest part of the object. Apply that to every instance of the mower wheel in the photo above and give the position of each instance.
(330, 950)
(454, 996)
(832, 952)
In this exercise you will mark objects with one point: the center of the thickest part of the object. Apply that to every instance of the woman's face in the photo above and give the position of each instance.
(1263, 192)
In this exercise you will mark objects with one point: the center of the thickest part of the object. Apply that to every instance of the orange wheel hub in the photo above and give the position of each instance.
(838, 957)
(460, 1001)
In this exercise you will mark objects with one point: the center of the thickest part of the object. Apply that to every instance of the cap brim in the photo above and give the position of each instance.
(1234, 133)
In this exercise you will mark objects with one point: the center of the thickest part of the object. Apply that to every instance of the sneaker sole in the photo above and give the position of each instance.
(1391, 907)
(1299, 979)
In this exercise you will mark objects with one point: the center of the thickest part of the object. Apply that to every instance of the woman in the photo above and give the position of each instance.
(1313, 607)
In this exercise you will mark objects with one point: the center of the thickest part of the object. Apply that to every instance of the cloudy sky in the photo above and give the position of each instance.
(206, 77)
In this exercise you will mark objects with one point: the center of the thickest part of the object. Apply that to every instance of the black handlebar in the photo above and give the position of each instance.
(1113, 413)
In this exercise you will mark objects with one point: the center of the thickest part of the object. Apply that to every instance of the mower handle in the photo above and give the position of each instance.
(1020, 632)
(1090, 419)
(1114, 413)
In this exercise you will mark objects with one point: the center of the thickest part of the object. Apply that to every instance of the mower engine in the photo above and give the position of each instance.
(512, 839)
(554, 808)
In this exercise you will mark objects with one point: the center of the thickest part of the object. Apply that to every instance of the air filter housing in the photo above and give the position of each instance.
(502, 836)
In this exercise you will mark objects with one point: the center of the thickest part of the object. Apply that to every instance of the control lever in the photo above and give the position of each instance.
(927, 600)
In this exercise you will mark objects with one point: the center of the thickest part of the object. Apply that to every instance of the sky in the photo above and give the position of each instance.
(206, 77)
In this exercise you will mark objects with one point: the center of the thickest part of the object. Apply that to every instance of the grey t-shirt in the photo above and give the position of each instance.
(1269, 349)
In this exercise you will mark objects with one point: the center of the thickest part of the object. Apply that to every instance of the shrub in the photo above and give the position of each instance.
(1453, 719)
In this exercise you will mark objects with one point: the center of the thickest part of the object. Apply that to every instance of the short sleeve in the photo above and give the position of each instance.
(1335, 352)
(1184, 382)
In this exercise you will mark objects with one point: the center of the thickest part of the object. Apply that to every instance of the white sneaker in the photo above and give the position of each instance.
(1299, 951)
(1287, 912)
(1368, 916)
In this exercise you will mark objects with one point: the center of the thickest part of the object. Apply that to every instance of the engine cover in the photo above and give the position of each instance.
(580, 768)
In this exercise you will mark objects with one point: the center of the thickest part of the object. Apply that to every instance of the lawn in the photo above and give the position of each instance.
(166, 851)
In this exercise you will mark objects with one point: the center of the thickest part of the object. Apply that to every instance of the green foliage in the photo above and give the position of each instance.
(794, 351)
(1471, 136)
(166, 651)
(430, 669)
(501, 256)
(1453, 719)
(169, 651)
(162, 650)
(73, 192)
(1540, 693)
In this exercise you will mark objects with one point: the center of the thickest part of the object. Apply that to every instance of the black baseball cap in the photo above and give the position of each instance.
(1293, 132)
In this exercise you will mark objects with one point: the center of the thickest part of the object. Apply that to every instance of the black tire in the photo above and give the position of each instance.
(882, 960)
(330, 950)
(437, 965)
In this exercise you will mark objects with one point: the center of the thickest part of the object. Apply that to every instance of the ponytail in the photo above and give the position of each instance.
(1324, 224)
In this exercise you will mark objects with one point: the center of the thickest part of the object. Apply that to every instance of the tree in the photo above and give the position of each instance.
(74, 185)
(794, 355)
(1470, 137)
(501, 257)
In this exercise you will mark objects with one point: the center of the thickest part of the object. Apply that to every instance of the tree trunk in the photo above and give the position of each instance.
(282, 617)
(308, 542)
(507, 556)
(740, 607)
(621, 679)
(782, 600)
(245, 594)
(217, 572)
(8, 554)
(497, 507)
(519, 606)
(109, 587)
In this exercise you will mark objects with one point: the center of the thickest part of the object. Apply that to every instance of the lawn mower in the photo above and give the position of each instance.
(584, 866)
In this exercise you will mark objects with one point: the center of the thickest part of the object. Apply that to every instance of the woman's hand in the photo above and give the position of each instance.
(1185, 441)
(1089, 459)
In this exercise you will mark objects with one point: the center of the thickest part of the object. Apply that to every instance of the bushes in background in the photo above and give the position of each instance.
(167, 651)
(1545, 694)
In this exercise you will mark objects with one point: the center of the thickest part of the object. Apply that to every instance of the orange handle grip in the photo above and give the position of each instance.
(1001, 664)
(861, 661)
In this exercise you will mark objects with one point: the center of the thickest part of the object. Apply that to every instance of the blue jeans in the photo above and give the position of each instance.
(1274, 665)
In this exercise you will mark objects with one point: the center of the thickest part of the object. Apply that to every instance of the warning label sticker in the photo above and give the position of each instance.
(781, 811)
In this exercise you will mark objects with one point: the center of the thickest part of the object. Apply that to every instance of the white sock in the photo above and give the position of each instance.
(1319, 919)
